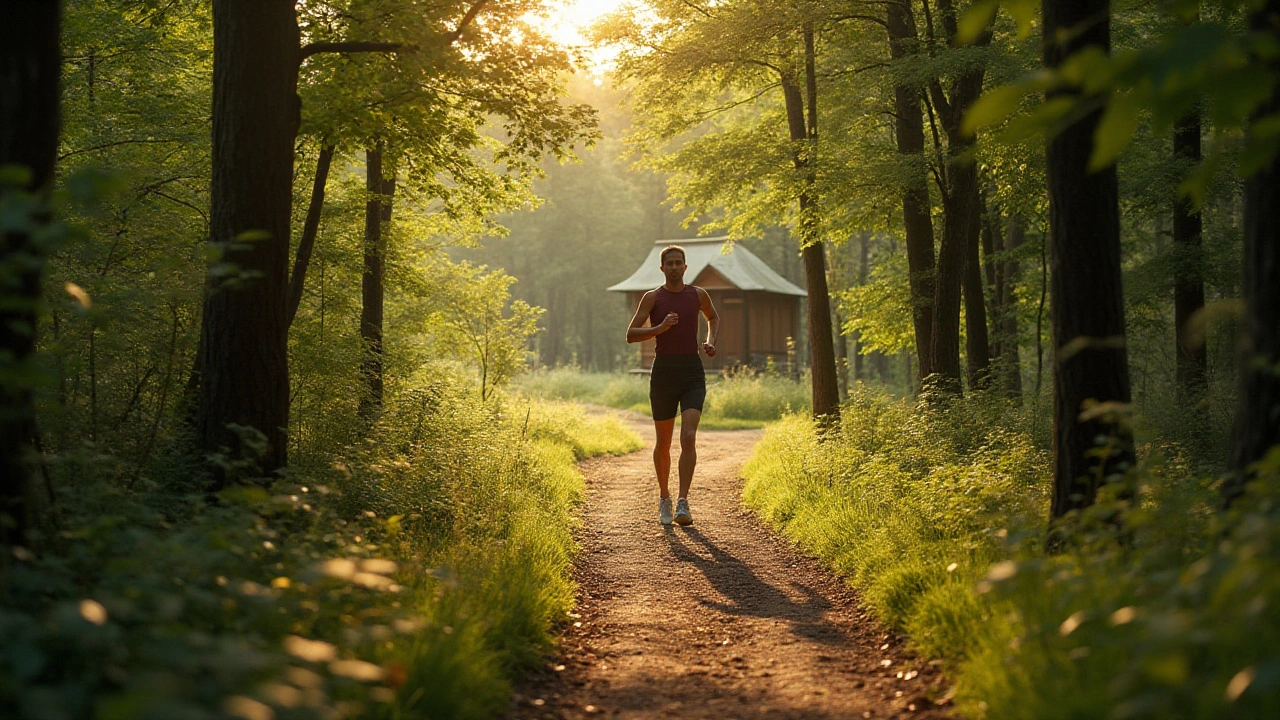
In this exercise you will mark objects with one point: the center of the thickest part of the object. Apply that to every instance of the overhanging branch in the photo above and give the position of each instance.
(466, 21)
(355, 46)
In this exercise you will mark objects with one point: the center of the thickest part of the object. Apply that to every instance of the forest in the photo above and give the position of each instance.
(309, 373)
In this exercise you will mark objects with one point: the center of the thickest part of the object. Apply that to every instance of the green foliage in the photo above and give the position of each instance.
(410, 576)
(735, 400)
(937, 517)
(880, 311)
(569, 383)
(748, 395)
(475, 301)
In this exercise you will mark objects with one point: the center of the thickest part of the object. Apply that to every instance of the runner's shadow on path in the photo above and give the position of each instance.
(748, 594)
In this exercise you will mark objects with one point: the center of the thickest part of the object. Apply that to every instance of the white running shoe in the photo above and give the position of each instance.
(683, 516)
(664, 511)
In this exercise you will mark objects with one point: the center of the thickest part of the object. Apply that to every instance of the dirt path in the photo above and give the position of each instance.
(719, 620)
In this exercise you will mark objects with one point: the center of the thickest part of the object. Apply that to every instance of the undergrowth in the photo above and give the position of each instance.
(937, 516)
(736, 400)
(408, 576)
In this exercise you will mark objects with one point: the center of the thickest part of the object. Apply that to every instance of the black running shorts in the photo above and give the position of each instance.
(676, 381)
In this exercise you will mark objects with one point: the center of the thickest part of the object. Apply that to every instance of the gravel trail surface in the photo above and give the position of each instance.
(722, 619)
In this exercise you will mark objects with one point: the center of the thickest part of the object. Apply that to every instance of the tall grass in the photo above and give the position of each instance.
(938, 516)
(742, 399)
(407, 576)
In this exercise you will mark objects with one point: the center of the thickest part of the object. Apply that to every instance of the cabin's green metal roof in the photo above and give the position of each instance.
(739, 266)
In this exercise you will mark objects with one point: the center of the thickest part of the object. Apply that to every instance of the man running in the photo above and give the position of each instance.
(677, 378)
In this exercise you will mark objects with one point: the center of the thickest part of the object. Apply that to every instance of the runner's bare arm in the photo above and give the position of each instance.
(636, 333)
(713, 322)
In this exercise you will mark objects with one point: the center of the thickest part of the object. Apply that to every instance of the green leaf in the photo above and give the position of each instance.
(1195, 187)
(1045, 119)
(1024, 13)
(993, 107)
(253, 236)
(976, 20)
(1087, 68)
(1116, 129)
(15, 175)
(1235, 95)
(1262, 146)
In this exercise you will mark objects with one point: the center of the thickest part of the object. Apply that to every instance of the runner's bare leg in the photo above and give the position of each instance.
(662, 455)
(688, 448)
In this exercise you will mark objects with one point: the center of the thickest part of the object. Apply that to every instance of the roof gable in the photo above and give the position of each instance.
(740, 267)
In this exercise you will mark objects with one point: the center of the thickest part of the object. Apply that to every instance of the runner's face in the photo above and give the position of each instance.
(673, 266)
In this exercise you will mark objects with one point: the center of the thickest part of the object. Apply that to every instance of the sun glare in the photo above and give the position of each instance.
(567, 24)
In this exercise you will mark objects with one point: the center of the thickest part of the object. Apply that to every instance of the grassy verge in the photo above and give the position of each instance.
(409, 576)
(937, 518)
(735, 401)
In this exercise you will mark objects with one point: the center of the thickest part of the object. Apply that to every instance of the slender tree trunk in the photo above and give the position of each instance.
(804, 132)
(992, 243)
(377, 221)
(310, 229)
(1188, 283)
(916, 219)
(977, 341)
(961, 228)
(1086, 300)
(1011, 273)
(836, 274)
(842, 352)
(864, 270)
(1257, 421)
(244, 368)
(30, 88)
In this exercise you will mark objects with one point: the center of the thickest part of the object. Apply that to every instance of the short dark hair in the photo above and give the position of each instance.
(672, 248)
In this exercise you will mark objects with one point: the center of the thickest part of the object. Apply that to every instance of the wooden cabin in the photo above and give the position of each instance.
(759, 309)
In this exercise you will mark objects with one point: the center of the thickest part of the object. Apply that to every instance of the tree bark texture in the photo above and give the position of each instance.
(1086, 299)
(916, 219)
(1188, 277)
(310, 229)
(1009, 275)
(1257, 420)
(244, 368)
(804, 133)
(991, 274)
(864, 271)
(377, 221)
(961, 204)
(30, 90)
(977, 339)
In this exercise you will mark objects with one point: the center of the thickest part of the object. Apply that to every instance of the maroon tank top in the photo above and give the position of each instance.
(683, 338)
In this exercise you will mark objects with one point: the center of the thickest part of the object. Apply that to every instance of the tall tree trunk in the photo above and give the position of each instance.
(1086, 300)
(1010, 274)
(377, 221)
(1257, 421)
(310, 229)
(977, 341)
(244, 368)
(916, 219)
(30, 88)
(864, 269)
(1188, 282)
(961, 224)
(992, 243)
(804, 134)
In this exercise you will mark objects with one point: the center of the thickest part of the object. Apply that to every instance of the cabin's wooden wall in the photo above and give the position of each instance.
(754, 326)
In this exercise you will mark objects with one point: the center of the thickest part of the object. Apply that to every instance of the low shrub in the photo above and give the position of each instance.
(937, 516)
(735, 400)
(408, 576)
